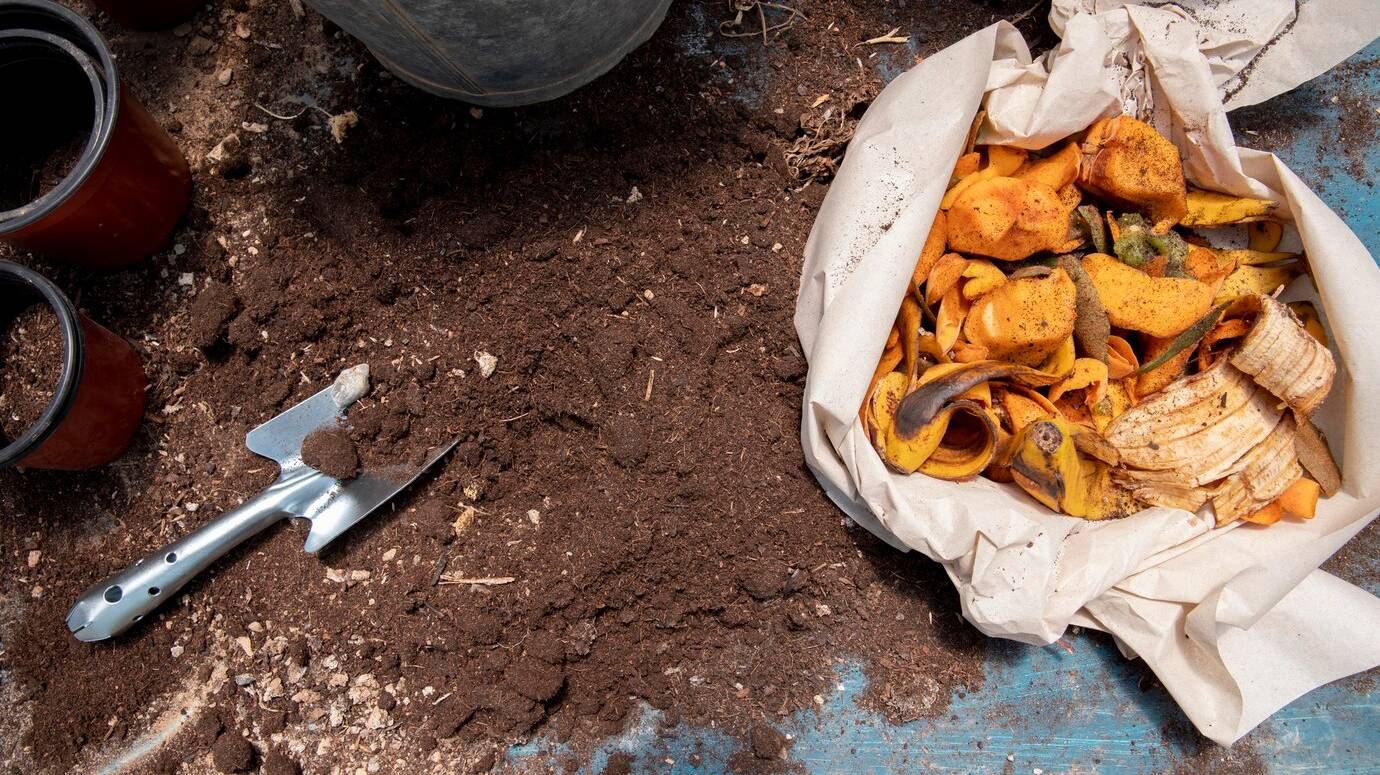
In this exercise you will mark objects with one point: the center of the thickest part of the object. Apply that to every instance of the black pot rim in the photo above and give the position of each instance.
(73, 344)
(82, 41)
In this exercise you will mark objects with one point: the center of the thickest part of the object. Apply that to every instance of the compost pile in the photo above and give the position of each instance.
(1106, 362)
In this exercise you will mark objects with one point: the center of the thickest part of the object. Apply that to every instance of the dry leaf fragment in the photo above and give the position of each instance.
(1316, 458)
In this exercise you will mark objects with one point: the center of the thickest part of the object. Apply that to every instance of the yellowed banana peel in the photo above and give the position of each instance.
(1264, 236)
(1247, 280)
(1047, 465)
(1284, 358)
(1264, 473)
(1199, 426)
(1210, 208)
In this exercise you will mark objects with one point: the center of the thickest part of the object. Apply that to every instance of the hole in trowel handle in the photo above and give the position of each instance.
(171, 558)
(113, 594)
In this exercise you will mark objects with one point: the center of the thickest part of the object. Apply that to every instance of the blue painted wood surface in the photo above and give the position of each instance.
(1080, 707)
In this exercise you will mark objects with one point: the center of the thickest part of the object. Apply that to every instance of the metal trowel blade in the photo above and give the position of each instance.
(281, 438)
(359, 497)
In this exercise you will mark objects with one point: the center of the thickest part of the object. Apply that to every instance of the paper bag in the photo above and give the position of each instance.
(1236, 621)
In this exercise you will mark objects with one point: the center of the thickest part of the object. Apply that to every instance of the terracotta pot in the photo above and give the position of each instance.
(149, 14)
(130, 185)
(100, 397)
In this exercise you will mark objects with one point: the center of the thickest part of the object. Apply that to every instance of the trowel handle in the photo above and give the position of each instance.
(111, 606)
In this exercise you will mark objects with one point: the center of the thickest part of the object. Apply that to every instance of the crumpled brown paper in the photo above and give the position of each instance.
(1237, 621)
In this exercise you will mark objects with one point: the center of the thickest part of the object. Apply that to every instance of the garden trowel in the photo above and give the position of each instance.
(113, 605)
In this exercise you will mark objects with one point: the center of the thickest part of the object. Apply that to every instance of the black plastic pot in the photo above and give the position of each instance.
(99, 400)
(129, 187)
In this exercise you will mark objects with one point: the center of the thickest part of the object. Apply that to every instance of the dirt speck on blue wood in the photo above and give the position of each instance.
(694, 567)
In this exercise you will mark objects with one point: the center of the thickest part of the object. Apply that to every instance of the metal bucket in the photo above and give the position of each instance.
(498, 52)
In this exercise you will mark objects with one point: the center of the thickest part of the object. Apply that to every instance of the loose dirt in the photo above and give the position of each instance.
(629, 489)
(31, 357)
(332, 452)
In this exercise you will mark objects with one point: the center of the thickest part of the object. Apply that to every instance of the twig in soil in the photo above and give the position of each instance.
(651, 380)
(1020, 17)
(890, 37)
(439, 571)
(339, 123)
(296, 115)
(733, 28)
(448, 579)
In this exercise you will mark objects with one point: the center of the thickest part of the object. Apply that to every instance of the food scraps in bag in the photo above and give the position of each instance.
(1068, 330)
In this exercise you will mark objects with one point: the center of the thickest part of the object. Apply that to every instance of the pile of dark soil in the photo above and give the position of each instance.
(31, 356)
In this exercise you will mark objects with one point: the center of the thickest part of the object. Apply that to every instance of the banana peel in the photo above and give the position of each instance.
(1308, 315)
(1284, 358)
(891, 358)
(1045, 462)
(948, 433)
(1252, 257)
(1162, 488)
(1264, 236)
(1262, 475)
(1198, 427)
(1211, 208)
(1248, 280)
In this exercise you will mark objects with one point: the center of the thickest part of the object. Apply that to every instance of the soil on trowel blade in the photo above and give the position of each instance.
(31, 357)
(332, 452)
(595, 297)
